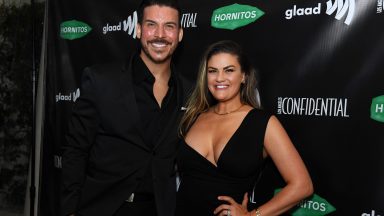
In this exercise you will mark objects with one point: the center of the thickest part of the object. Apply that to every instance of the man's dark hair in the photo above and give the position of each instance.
(146, 3)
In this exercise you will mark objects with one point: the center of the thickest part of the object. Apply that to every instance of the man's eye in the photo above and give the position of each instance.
(170, 27)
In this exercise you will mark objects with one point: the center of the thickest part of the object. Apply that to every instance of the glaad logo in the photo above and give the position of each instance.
(336, 107)
(379, 6)
(57, 161)
(342, 7)
(377, 108)
(373, 213)
(70, 97)
(188, 20)
(128, 25)
(302, 11)
(235, 16)
(313, 206)
(74, 29)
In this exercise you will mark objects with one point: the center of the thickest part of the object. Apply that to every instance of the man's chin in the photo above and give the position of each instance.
(160, 60)
(156, 57)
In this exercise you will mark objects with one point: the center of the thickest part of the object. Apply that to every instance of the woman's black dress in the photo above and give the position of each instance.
(237, 168)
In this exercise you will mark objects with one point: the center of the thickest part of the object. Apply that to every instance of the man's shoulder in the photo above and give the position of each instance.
(105, 69)
(111, 69)
(105, 72)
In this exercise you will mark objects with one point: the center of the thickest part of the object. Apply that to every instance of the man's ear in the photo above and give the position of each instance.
(181, 33)
(138, 31)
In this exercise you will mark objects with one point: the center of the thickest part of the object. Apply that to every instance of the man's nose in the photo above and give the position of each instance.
(160, 32)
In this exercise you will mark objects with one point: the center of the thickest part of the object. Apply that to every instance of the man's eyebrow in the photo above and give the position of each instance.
(169, 22)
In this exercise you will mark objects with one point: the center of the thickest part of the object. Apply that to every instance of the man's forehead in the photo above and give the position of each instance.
(157, 11)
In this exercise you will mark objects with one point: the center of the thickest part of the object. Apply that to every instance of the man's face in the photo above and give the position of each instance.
(159, 33)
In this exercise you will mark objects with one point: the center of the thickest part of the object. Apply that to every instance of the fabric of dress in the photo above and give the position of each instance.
(237, 168)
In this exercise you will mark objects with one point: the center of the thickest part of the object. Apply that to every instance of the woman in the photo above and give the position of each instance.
(226, 138)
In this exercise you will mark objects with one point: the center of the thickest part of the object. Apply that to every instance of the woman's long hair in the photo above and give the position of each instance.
(201, 99)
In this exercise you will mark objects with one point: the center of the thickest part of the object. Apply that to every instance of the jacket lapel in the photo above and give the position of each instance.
(129, 101)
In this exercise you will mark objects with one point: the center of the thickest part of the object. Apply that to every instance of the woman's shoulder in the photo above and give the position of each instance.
(261, 112)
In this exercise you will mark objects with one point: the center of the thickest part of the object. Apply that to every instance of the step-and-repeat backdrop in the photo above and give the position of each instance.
(320, 66)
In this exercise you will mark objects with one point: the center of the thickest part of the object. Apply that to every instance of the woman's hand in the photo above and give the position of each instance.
(232, 208)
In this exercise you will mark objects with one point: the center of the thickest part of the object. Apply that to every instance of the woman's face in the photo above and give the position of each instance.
(224, 77)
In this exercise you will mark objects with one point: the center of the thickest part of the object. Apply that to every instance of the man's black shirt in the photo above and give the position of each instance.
(153, 116)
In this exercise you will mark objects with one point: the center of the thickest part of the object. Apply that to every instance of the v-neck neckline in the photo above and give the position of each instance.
(225, 146)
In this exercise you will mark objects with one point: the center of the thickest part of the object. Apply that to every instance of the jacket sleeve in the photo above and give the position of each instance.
(82, 130)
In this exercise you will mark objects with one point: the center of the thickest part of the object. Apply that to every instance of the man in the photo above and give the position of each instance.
(122, 137)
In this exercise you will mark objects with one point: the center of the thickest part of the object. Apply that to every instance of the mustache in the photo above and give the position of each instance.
(159, 40)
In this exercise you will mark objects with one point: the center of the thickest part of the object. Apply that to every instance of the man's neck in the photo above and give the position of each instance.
(160, 71)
